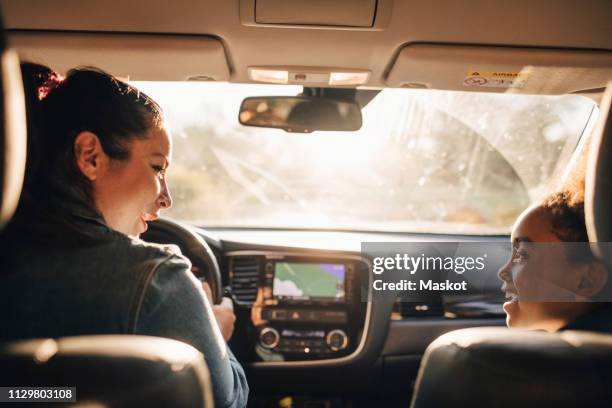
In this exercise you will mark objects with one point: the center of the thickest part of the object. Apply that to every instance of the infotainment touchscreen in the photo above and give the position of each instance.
(308, 281)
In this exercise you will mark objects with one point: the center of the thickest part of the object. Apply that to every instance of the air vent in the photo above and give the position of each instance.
(245, 278)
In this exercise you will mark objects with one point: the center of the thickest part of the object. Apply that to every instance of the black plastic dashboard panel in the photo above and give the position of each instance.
(306, 307)
(388, 346)
(374, 327)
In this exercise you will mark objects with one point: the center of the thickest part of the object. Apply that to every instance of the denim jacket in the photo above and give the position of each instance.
(65, 273)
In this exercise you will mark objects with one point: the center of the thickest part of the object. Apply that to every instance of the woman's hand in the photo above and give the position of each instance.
(224, 313)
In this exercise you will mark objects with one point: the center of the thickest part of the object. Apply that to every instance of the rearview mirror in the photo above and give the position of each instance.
(302, 114)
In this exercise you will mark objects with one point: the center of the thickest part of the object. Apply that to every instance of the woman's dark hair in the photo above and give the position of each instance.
(88, 99)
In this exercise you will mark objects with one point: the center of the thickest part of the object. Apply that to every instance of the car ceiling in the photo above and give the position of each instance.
(567, 24)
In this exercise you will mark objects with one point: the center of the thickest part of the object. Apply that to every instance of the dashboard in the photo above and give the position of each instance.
(302, 326)
(304, 307)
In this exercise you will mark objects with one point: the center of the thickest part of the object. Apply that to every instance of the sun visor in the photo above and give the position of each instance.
(133, 56)
(500, 69)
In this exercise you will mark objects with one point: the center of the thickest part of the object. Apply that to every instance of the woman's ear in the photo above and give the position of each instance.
(88, 154)
(592, 279)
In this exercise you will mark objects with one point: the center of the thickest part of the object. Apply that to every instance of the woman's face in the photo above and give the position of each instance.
(131, 192)
(538, 280)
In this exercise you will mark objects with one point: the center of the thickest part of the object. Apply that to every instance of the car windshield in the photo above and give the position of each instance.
(423, 161)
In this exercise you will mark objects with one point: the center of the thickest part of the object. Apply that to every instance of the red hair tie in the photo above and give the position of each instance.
(52, 82)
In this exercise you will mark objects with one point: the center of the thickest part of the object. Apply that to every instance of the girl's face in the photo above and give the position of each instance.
(131, 192)
(539, 282)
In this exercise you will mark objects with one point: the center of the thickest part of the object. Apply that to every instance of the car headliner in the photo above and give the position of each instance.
(567, 24)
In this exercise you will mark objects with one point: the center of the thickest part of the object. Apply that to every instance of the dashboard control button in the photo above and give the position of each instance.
(333, 316)
(337, 340)
(279, 314)
(318, 343)
(269, 337)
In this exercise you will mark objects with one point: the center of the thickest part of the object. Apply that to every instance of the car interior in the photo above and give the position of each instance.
(303, 130)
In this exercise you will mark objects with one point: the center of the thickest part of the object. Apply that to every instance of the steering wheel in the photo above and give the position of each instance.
(193, 246)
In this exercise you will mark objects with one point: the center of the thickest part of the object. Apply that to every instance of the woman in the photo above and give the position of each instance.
(74, 264)
(552, 279)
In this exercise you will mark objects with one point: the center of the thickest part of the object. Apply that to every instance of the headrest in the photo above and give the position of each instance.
(117, 371)
(13, 133)
(499, 367)
(598, 194)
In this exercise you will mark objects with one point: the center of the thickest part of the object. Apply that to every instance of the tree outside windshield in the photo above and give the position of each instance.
(423, 161)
